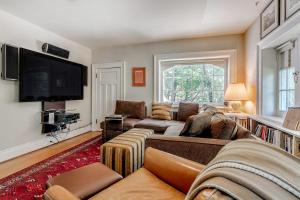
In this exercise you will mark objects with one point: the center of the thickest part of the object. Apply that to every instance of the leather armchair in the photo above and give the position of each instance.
(170, 178)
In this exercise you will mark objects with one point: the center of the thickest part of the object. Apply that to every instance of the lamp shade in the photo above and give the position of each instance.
(236, 92)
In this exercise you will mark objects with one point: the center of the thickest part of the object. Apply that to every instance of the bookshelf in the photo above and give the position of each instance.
(270, 129)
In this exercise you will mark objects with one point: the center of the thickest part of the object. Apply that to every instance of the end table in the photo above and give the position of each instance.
(113, 127)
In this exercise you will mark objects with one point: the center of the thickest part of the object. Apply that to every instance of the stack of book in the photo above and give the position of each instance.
(274, 136)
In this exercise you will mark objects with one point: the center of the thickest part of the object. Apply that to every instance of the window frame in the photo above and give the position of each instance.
(230, 55)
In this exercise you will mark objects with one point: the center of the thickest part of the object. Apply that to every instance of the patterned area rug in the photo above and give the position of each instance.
(30, 183)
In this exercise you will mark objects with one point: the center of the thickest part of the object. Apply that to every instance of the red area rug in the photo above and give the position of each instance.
(30, 183)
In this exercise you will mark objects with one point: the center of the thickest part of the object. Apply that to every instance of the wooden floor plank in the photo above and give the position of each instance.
(22, 162)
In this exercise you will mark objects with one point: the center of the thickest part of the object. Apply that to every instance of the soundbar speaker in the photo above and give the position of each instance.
(10, 62)
(57, 51)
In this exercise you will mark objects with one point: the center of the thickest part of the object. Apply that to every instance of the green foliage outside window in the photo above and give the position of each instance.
(201, 83)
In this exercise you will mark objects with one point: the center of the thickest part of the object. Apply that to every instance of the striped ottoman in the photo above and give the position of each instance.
(125, 153)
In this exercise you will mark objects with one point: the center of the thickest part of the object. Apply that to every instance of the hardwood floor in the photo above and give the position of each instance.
(19, 163)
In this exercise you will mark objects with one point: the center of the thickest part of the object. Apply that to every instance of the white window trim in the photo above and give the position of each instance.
(230, 55)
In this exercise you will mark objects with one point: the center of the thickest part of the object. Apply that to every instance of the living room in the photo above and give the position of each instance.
(112, 94)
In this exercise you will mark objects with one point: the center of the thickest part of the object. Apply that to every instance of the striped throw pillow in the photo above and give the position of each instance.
(161, 111)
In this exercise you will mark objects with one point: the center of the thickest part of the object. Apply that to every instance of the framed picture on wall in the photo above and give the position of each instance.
(270, 18)
(138, 76)
(291, 7)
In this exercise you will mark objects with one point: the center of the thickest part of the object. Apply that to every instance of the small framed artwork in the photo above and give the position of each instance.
(291, 7)
(269, 18)
(138, 76)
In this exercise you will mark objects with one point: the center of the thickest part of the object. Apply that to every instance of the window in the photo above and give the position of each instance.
(194, 76)
(286, 88)
(286, 84)
(195, 82)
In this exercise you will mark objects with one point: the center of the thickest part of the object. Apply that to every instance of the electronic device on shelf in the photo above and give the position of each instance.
(57, 120)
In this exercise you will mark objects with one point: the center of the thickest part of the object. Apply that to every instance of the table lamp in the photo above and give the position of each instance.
(235, 93)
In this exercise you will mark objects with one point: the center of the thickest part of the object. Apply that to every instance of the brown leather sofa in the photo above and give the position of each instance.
(170, 178)
(136, 117)
(136, 113)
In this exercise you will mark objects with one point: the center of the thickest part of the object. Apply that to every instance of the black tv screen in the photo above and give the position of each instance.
(47, 78)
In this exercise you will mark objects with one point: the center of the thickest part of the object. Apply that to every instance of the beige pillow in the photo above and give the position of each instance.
(161, 111)
(166, 108)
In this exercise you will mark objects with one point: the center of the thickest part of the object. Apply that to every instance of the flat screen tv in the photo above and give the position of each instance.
(47, 78)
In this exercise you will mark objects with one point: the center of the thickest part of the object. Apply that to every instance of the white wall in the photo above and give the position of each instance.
(141, 55)
(20, 122)
(252, 37)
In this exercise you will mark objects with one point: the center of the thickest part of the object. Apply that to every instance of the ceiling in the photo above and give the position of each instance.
(99, 23)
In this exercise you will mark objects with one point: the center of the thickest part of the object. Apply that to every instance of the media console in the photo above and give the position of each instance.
(57, 120)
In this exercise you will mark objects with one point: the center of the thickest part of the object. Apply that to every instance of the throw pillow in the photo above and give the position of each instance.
(187, 109)
(161, 111)
(132, 109)
(187, 125)
(200, 125)
(222, 127)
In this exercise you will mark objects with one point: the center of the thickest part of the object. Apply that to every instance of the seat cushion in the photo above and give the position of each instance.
(129, 123)
(140, 185)
(132, 109)
(187, 109)
(157, 125)
(86, 181)
(174, 130)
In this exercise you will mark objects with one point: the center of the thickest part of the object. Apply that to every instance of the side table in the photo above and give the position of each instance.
(113, 127)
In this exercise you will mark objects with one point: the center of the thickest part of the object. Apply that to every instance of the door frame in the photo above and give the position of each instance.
(122, 65)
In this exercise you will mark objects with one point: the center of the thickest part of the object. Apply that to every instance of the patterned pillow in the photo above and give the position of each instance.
(161, 111)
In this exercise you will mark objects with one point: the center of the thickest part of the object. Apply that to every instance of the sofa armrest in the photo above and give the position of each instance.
(201, 150)
(58, 193)
(178, 172)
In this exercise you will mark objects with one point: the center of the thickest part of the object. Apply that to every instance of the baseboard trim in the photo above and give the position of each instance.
(28, 147)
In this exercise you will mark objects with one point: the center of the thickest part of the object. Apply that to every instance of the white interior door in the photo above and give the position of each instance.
(108, 91)
(107, 86)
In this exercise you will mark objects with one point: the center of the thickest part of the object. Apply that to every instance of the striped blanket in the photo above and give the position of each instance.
(250, 169)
